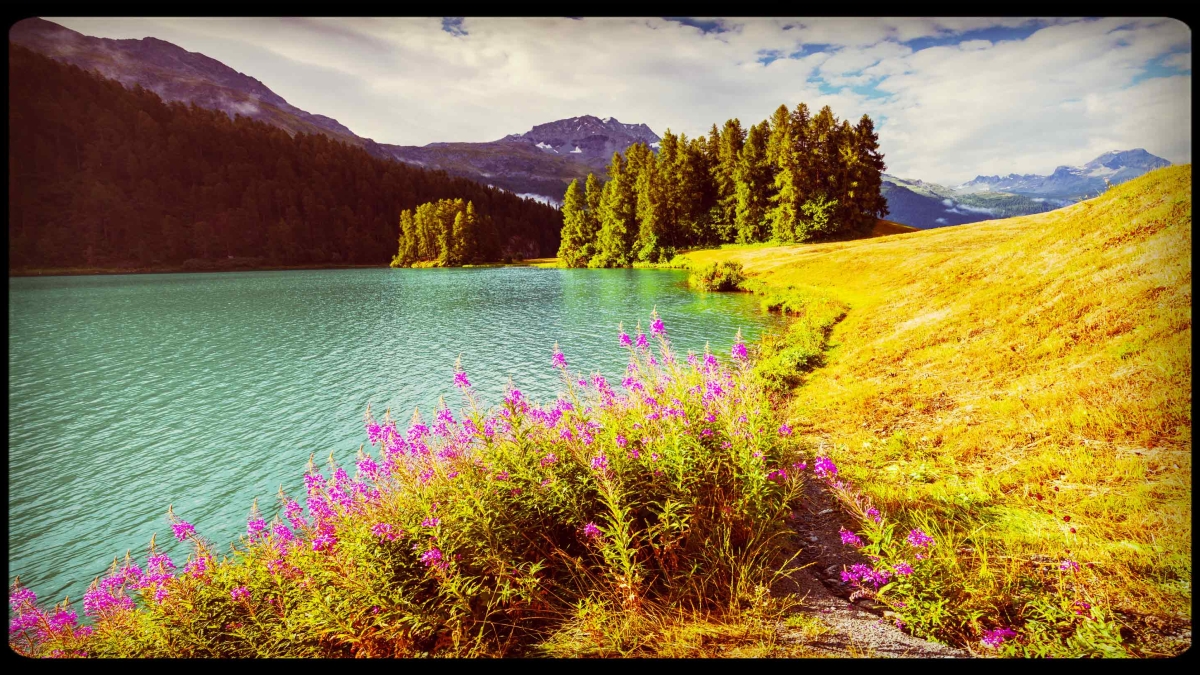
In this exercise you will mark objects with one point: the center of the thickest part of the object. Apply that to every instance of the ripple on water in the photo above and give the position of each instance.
(128, 393)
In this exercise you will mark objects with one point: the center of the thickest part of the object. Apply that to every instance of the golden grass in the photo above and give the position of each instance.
(883, 228)
(981, 365)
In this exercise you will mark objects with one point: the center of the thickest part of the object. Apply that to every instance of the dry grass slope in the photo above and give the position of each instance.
(982, 365)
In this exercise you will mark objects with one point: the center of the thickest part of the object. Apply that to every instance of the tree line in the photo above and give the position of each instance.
(104, 176)
(791, 178)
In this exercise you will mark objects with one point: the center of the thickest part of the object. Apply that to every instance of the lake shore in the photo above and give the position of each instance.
(179, 269)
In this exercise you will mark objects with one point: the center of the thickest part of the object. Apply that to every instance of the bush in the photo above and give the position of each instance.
(725, 276)
(486, 533)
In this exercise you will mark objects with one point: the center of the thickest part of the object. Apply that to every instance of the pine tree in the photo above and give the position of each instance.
(570, 251)
(782, 155)
(723, 168)
(870, 168)
(618, 218)
(593, 190)
(753, 182)
(407, 254)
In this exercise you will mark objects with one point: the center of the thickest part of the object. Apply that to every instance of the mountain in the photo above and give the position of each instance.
(538, 164)
(929, 205)
(1072, 183)
(104, 176)
(175, 74)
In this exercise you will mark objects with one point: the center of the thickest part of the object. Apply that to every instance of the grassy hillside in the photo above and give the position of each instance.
(998, 378)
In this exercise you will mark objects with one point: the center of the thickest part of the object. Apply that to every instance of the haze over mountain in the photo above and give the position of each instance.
(1071, 183)
(928, 205)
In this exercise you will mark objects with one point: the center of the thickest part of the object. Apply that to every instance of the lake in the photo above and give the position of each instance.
(132, 392)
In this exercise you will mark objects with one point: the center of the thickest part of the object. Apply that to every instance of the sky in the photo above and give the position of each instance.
(951, 98)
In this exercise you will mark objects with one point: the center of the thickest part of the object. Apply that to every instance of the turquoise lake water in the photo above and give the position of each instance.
(129, 393)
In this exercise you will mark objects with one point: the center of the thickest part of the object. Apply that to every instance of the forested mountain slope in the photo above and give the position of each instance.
(102, 176)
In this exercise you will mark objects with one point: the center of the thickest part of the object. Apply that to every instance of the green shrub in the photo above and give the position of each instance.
(725, 276)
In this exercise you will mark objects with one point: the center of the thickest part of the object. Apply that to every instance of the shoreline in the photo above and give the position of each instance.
(107, 271)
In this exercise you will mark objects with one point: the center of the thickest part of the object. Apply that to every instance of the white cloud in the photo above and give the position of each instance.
(1182, 60)
(989, 104)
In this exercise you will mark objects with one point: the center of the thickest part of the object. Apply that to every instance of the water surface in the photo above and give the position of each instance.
(128, 393)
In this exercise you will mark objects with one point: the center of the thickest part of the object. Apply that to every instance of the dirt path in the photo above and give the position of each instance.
(858, 629)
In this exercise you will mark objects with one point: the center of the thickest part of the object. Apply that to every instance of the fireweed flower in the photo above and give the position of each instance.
(62, 618)
(591, 531)
(1068, 565)
(919, 539)
(374, 432)
(431, 521)
(849, 538)
(502, 476)
(621, 441)
(994, 638)
(824, 468)
(182, 529)
(367, 467)
(240, 593)
(903, 569)
(255, 527)
(657, 328)
(785, 430)
(599, 463)
(873, 514)
(625, 340)
(460, 380)
(323, 542)
(549, 459)
(642, 342)
(196, 567)
(558, 360)
(21, 597)
(778, 475)
(738, 352)
(417, 431)
(383, 531)
(433, 557)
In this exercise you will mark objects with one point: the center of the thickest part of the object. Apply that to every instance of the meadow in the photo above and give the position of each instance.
(1022, 388)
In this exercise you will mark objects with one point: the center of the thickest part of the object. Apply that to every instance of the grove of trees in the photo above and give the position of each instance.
(445, 233)
(104, 176)
(794, 177)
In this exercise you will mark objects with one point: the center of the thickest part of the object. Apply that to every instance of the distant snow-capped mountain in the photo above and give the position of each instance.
(541, 162)
(1071, 183)
(589, 139)
(928, 205)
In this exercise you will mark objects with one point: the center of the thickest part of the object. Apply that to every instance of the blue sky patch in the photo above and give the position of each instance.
(453, 25)
(991, 34)
(705, 25)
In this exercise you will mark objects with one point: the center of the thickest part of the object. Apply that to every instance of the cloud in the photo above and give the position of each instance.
(952, 98)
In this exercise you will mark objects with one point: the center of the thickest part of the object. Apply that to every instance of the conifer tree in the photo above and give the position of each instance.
(574, 236)
(752, 186)
(618, 218)
(723, 167)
